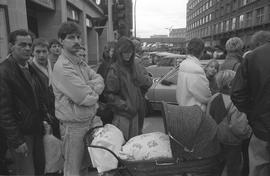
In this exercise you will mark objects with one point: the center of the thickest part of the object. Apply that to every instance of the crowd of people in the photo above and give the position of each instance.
(48, 87)
(235, 94)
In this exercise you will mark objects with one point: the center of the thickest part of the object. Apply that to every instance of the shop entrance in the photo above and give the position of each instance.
(36, 17)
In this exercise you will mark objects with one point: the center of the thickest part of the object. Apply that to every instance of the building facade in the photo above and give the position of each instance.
(178, 33)
(215, 21)
(43, 18)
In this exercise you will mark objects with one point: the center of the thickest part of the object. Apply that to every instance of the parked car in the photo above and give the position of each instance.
(163, 63)
(164, 88)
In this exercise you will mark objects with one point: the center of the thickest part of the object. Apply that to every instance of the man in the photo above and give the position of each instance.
(21, 113)
(43, 70)
(82, 54)
(192, 84)
(55, 50)
(77, 88)
(251, 94)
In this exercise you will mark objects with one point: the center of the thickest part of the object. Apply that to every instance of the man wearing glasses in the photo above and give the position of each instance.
(21, 114)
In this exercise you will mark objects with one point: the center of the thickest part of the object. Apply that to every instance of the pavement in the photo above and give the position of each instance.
(151, 124)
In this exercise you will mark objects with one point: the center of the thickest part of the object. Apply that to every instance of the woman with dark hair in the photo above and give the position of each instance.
(123, 89)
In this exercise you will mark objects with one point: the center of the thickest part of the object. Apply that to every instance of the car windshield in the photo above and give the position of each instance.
(171, 76)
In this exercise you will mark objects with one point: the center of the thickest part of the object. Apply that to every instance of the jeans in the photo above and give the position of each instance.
(76, 155)
(259, 160)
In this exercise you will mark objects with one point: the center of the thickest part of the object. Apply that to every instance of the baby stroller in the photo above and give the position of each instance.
(194, 148)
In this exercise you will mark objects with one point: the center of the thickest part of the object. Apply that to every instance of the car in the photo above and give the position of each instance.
(164, 88)
(163, 63)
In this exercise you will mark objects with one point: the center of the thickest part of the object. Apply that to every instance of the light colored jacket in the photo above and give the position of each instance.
(77, 88)
(192, 84)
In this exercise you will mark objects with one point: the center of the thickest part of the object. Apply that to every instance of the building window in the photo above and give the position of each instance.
(72, 13)
(207, 18)
(228, 8)
(241, 21)
(234, 5)
(227, 25)
(269, 13)
(260, 15)
(249, 19)
(222, 11)
(216, 28)
(210, 3)
(221, 27)
(233, 23)
(210, 16)
(243, 3)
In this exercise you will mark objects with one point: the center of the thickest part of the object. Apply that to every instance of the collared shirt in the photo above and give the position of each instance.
(73, 58)
(25, 70)
(41, 67)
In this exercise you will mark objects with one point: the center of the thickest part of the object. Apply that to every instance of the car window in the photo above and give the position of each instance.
(172, 76)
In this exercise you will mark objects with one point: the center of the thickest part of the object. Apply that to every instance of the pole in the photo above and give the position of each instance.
(110, 36)
(135, 3)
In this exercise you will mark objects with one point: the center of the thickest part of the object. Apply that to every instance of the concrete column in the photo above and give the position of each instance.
(110, 22)
(17, 14)
(83, 28)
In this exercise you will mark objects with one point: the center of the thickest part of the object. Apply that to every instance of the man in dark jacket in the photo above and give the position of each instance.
(251, 94)
(43, 70)
(21, 114)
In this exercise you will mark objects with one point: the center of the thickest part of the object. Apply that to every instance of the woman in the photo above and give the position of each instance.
(123, 89)
(233, 58)
(211, 70)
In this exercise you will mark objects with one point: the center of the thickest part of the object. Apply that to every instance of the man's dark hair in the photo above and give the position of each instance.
(20, 32)
(68, 28)
(260, 38)
(195, 47)
(54, 41)
(40, 42)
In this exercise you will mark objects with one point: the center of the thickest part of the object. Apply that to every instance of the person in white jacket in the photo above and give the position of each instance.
(192, 84)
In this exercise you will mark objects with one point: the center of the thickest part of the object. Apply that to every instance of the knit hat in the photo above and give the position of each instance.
(234, 44)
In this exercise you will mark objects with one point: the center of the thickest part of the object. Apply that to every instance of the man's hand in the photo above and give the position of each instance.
(23, 149)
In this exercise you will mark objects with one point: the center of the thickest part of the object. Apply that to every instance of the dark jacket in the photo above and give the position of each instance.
(123, 86)
(251, 90)
(232, 62)
(47, 99)
(21, 112)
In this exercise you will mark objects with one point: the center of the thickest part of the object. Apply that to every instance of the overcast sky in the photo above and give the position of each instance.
(154, 16)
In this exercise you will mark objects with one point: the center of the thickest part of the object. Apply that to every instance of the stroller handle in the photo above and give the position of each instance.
(104, 148)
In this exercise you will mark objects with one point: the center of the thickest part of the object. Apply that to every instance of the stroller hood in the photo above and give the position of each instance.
(192, 133)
